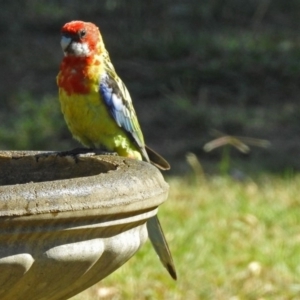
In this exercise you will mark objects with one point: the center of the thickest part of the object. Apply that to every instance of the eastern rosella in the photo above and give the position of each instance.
(98, 109)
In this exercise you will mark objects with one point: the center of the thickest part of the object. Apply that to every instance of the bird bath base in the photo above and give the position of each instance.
(66, 221)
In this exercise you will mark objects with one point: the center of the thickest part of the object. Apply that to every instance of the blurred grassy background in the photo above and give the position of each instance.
(191, 67)
(230, 241)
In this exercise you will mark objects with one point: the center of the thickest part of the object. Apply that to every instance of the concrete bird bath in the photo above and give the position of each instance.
(67, 222)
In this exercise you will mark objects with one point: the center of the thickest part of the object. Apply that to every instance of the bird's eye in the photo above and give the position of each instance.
(82, 33)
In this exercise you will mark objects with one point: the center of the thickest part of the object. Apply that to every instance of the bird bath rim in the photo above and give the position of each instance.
(117, 184)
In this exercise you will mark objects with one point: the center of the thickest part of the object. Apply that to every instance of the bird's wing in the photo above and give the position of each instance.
(118, 101)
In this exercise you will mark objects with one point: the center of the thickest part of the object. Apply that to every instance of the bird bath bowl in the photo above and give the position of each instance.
(67, 221)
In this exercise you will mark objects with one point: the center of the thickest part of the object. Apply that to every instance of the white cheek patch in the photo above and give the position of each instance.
(79, 49)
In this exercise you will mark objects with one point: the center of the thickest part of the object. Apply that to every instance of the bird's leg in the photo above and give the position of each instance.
(74, 153)
(77, 152)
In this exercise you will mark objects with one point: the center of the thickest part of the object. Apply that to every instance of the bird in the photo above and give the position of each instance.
(98, 110)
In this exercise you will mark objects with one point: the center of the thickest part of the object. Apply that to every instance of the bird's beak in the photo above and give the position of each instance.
(65, 42)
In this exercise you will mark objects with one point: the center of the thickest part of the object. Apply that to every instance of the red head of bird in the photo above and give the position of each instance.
(81, 39)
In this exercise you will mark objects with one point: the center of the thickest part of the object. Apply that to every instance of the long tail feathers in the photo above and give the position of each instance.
(155, 231)
(160, 245)
(157, 160)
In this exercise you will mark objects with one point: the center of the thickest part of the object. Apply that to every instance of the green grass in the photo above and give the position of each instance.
(229, 239)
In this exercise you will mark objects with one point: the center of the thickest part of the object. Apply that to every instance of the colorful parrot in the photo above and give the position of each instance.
(98, 110)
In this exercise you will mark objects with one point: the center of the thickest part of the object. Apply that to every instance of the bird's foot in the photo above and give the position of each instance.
(75, 153)
(86, 152)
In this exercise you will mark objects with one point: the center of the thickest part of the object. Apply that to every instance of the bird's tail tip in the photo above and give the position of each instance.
(157, 160)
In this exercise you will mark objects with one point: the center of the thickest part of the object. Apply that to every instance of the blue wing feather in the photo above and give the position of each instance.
(116, 107)
(118, 101)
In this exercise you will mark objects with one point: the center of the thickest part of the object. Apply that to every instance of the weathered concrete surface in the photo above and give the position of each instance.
(67, 222)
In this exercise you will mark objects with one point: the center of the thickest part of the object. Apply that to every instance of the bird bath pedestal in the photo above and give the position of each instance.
(67, 221)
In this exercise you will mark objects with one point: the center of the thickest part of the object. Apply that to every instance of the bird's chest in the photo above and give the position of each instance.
(86, 113)
(81, 102)
(78, 79)
(84, 110)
